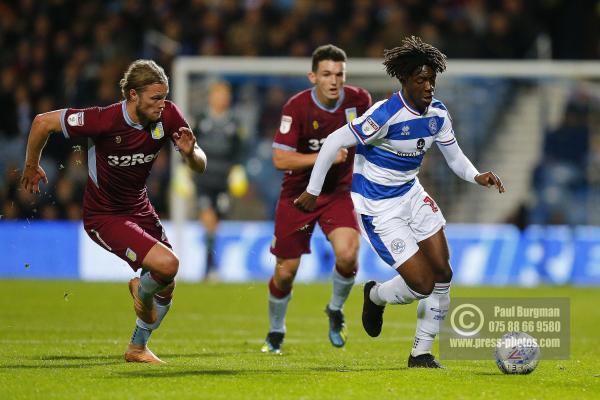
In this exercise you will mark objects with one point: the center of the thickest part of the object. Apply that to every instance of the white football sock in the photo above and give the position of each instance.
(394, 291)
(431, 313)
(149, 287)
(277, 311)
(161, 311)
(341, 290)
(143, 330)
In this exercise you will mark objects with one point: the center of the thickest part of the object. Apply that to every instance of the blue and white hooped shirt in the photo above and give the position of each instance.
(392, 140)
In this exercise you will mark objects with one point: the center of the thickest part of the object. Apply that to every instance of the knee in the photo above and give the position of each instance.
(284, 275)
(168, 265)
(422, 284)
(444, 275)
(346, 257)
(346, 260)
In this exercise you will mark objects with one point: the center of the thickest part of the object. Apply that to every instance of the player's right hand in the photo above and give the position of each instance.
(341, 156)
(32, 175)
(306, 202)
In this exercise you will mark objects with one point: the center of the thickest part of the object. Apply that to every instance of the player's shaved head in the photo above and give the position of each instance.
(141, 73)
(327, 52)
(403, 61)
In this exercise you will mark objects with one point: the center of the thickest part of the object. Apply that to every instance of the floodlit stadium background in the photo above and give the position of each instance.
(522, 86)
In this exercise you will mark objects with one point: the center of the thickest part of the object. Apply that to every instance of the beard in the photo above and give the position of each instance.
(144, 117)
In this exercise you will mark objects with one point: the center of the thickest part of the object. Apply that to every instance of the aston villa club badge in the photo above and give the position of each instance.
(350, 114)
(157, 131)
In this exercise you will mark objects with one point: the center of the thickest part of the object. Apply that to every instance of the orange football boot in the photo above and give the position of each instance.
(141, 354)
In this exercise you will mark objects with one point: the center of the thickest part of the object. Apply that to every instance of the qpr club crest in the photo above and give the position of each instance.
(433, 127)
(397, 246)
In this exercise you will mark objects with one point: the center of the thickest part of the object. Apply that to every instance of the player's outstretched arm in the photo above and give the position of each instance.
(189, 149)
(41, 128)
(460, 164)
(285, 160)
(489, 179)
(338, 140)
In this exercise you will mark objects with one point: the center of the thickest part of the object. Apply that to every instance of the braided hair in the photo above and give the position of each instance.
(401, 62)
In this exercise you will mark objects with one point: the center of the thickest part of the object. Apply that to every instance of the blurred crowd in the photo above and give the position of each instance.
(61, 53)
(565, 182)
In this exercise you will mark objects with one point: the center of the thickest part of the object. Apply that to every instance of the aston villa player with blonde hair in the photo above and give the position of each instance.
(124, 139)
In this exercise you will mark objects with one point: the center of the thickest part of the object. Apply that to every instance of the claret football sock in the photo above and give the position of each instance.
(342, 285)
(431, 313)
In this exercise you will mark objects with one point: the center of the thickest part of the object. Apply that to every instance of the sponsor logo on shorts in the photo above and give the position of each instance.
(286, 124)
(131, 254)
(398, 246)
(131, 159)
(75, 119)
(369, 127)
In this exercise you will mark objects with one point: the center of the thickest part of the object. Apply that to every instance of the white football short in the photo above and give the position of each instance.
(394, 236)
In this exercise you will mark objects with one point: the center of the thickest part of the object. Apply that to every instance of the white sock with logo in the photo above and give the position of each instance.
(394, 291)
(431, 313)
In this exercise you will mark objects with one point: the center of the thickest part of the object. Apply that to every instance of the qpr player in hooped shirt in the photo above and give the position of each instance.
(397, 217)
(123, 141)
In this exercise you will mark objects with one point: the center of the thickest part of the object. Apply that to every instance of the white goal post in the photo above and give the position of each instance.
(186, 65)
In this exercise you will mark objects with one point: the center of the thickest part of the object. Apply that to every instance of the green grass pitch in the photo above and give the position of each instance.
(65, 340)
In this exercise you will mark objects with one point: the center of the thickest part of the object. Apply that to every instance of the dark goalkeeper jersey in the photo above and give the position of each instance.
(120, 155)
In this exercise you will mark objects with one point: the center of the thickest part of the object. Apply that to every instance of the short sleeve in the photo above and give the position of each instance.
(85, 122)
(290, 126)
(174, 120)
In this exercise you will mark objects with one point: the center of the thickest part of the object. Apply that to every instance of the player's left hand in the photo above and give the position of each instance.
(185, 140)
(489, 179)
(306, 202)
